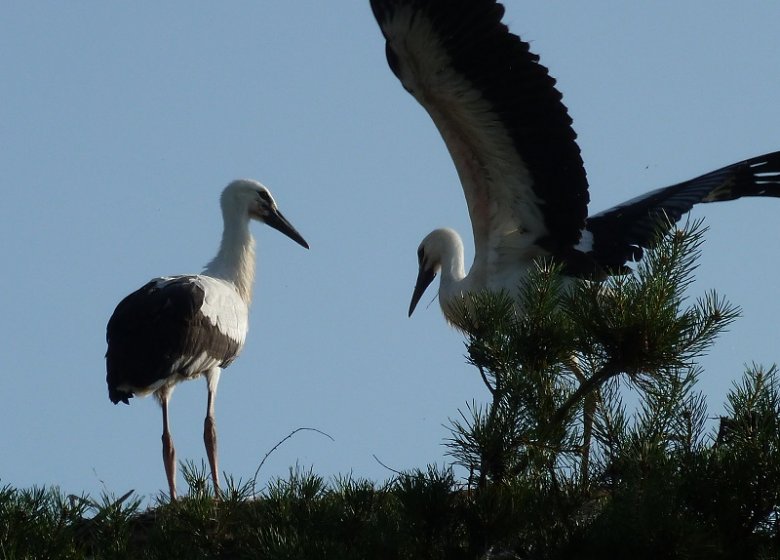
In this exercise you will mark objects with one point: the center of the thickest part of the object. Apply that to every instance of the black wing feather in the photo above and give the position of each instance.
(620, 233)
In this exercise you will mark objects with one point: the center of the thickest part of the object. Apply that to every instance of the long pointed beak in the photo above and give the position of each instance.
(424, 279)
(277, 221)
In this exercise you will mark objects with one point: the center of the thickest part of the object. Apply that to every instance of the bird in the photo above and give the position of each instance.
(511, 139)
(182, 327)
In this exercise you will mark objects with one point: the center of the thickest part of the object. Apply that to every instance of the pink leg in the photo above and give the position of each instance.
(169, 453)
(210, 428)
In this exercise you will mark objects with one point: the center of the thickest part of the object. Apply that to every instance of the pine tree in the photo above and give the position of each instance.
(652, 478)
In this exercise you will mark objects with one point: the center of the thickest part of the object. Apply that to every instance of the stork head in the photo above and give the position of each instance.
(250, 198)
(439, 246)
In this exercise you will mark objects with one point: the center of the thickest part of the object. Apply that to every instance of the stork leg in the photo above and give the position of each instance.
(168, 451)
(210, 428)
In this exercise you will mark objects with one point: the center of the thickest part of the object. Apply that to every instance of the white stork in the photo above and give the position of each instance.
(181, 327)
(515, 151)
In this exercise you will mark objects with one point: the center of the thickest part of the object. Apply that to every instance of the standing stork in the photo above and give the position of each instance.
(181, 327)
(515, 151)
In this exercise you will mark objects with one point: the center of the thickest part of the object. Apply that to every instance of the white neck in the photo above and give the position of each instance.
(235, 261)
(453, 283)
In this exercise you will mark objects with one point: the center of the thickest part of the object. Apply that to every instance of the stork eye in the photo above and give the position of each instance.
(420, 255)
(264, 196)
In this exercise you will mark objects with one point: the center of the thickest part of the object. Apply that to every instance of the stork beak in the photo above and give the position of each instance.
(276, 220)
(424, 279)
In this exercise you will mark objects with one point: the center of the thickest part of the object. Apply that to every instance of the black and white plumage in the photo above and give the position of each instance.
(511, 139)
(181, 327)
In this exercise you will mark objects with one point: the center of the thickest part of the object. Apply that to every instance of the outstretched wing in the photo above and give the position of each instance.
(620, 233)
(501, 118)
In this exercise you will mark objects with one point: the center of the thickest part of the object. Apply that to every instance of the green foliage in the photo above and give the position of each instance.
(44, 523)
(648, 480)
(593, 442)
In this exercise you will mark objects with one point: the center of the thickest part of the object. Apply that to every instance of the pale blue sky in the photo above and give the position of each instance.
(120, 123)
